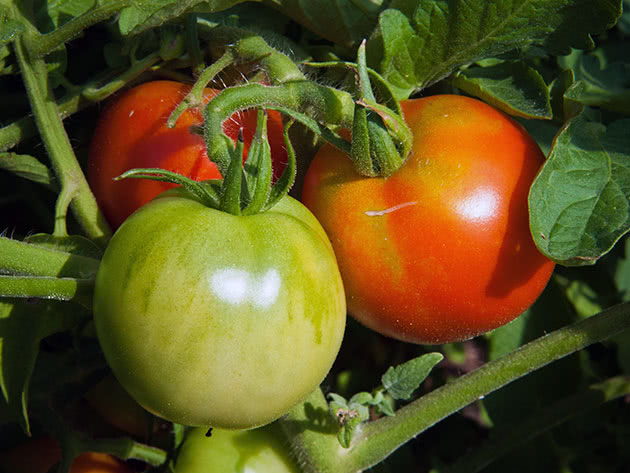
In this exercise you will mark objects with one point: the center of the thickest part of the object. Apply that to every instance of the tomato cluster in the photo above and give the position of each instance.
(199, 311)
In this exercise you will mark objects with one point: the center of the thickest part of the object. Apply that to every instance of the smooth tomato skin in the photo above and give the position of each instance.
(441, 251)
(131, 133)
(262, 450)
(209, 319)
(39, 455)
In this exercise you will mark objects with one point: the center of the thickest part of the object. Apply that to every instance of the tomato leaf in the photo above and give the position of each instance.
(580, 201)
(513, 87)
(144, 14)
(29, 168)
(417, 43)
(401, 381)
(598, 84)
(22, 326)
(51, 15)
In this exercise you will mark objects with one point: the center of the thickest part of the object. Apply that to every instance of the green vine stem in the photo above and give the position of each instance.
(23, 258)
(39, 45)
(376, 440)
(79, 98)
(60, 289)
(300, 99)
(126, 448)
(65, 164)
(545, 419)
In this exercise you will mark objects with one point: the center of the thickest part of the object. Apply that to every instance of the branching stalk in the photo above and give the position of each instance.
(58, 145)
(376, 440)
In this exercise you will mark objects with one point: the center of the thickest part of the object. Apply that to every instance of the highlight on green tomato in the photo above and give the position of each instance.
(262, 450)
(212, 319)
(441, 251)
(132, 132)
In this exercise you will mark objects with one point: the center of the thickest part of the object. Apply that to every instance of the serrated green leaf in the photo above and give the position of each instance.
(27, 167)
(22, 326)
(513, 87)
(580, 201)
(145, 14)
(418, 43)
(401, 381)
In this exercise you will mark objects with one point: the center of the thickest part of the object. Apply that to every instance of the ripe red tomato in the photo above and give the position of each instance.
(39, 455)
(441, 251)
(132, 133)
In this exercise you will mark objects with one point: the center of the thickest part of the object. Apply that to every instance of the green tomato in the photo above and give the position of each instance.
(211, 319)
(263, 450)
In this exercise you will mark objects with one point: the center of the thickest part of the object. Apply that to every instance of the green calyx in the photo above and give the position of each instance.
(381, 140)
(246, 188)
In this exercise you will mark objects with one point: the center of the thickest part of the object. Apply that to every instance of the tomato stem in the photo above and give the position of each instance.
(378, 439)
(74, 186)
(61, 289)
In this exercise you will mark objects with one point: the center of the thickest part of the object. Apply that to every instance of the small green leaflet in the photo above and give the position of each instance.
(401, 381)
(28, 167)
(580, 201)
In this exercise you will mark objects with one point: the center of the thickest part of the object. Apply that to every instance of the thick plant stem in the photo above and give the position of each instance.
(300, 99)
(313, 435)
(60, 151)
(61, 289)
(309, 424)
(23, 258)
(380, 438)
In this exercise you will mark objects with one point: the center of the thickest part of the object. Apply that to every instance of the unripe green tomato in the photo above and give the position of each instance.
(211, 319)
(262, 450)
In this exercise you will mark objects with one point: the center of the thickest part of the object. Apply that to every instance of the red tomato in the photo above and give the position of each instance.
(441, 251)
(132, 133)
(39, 455)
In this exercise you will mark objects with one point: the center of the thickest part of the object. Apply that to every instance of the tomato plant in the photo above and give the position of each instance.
(262, 450)
(232, 318)
(441, 251)
(132, 133)
(240, 321)
(41, 454)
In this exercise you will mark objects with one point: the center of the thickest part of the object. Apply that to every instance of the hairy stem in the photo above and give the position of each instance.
(58, 145)
(380, 438)
(24, 258)
(60, 289)
(306, 98)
